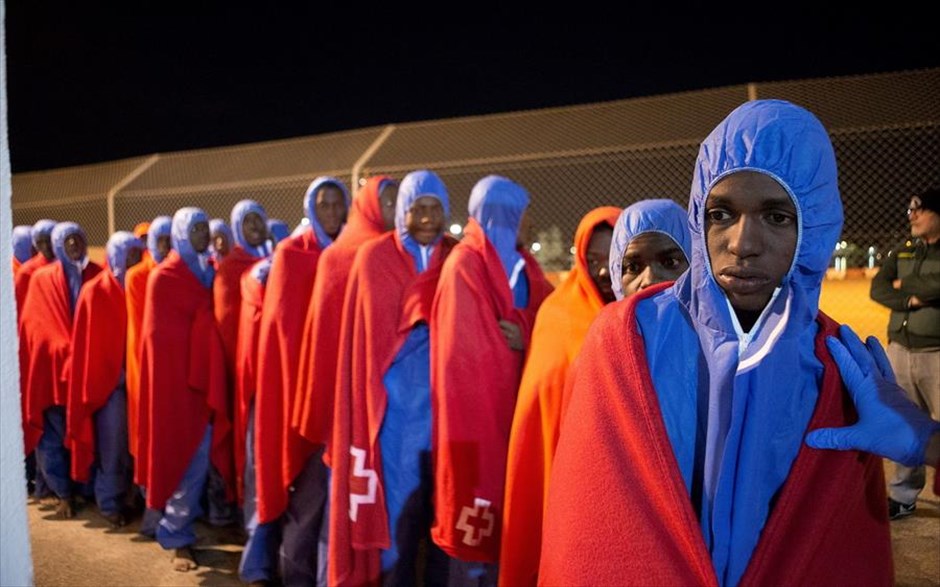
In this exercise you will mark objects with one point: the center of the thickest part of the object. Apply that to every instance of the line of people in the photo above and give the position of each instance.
(379, 403)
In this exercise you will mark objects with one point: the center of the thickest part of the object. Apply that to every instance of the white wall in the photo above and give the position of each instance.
(16, 565)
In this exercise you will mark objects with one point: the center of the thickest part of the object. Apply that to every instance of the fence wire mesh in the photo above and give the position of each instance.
(885, 129)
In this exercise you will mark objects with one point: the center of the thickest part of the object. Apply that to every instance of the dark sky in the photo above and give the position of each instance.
(94, 85)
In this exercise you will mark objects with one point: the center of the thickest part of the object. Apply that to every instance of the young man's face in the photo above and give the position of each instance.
(597, 256)
(425, 219)
(651, 258)
(75, 247)
(387, 198)
(199, 236)
(44, 246)
(133, 257)
(164, 245)
(925, 223)
(220, 244)
(254, 229)
(751, 233)
(330, 208)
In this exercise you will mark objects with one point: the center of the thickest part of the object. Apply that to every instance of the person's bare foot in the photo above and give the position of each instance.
(115, 520)
(184, 560)
(65, 508)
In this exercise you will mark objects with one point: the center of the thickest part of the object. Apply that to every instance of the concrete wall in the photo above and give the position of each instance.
(16, 566)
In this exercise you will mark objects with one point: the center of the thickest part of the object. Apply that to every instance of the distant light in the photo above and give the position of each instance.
(536, 247)
(304, 221)
(844, 244)
(456, 229)
(573, 250)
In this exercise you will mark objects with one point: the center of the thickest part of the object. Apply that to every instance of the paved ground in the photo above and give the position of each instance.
(84, 552)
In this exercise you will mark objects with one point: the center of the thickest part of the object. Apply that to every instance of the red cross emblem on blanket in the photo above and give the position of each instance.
(476, 522)
(362, 483)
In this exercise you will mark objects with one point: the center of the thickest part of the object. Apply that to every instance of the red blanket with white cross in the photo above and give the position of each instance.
(385, 298)
(474, 379)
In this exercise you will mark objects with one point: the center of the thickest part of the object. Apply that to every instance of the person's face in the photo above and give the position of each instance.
(220, 244)
(925, 223)
(651, 258)
(254, 229)
(199, 236)
(133, 257)
(597, 255)
(164, 245)
(330, 208)
(75, 247)
(387, 198)
(425, 219)
(44, 246)
(523, 236)
(751, 233)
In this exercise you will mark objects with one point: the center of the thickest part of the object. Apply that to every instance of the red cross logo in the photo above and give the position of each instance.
(361, 479)
(476, 522)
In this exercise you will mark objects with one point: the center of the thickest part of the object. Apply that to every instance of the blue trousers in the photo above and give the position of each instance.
(52, 458)
(259, 558)
(113, 469)
(184, 507)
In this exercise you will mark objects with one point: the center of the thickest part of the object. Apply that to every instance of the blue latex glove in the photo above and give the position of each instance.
(889, 424)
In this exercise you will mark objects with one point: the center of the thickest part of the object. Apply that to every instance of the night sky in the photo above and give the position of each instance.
(95, 85)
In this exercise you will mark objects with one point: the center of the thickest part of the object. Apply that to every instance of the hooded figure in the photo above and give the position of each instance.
(382, 416)
(648, 218)
(45, 331)
(259, 560)
(316, 381)
(277, 231)
(284, 456)
(41, 239)
(97, 400)
(222, 239)
(487, 298)
(249, 229)
(140, 231)
(243, 271)
(688, 441)
(559, 330)
(184, 408)
(135, 291)
(22, 241)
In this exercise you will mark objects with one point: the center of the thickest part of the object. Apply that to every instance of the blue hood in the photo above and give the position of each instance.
(756, 417)
(498, 204)
(216, 226)
(310, 212)
(663, 216)
(22, 242)
(239, 211)
(198, 263)
(73, 269)
(42, 227)
(415, 185)
(278, 230)
(161, 226)
(117, 248)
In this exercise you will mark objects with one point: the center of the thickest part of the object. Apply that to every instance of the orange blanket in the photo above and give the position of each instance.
(559, 331)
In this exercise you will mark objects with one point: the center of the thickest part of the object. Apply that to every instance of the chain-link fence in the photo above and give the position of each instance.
(885, 128)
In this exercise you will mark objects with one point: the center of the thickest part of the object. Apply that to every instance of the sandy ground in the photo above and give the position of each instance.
(84, 552)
